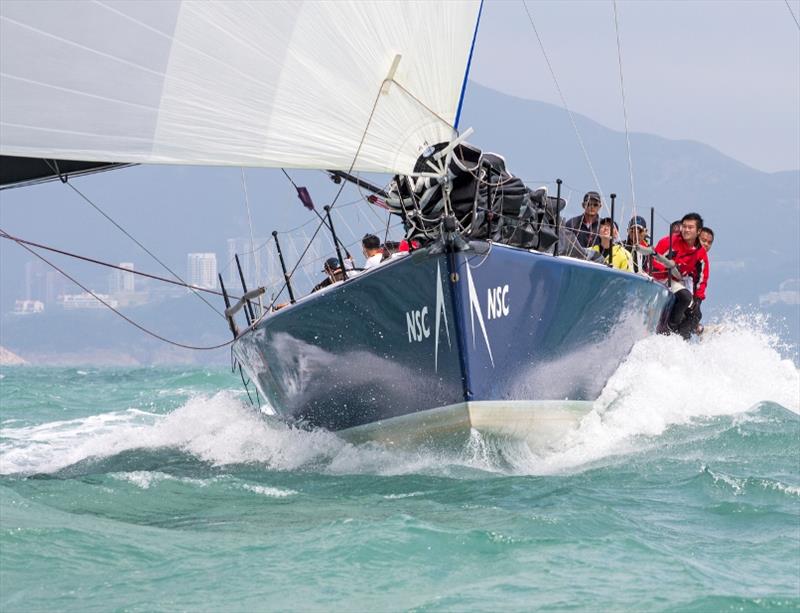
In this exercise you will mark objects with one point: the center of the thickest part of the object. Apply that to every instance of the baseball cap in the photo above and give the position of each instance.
(331, 264)
(591, 196)
(637, 221)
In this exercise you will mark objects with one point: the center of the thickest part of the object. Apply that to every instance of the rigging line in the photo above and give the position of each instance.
(425, 106)
(788, 6)
(624, 106)
(126, 233)
(119, 313)
(349, 229)
(310, 221)
(563, 100)
(6, 235)
(335, 198)
(290, 178)
(306, 268)
(370, 207)
(313, 208)
(314, 253)
(230, 262)
(252, 238)
(386, 232)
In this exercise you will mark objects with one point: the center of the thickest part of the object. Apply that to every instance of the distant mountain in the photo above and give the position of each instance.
(175, 210)
(755, 215)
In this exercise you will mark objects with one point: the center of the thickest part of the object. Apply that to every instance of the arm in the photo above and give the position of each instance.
(663, 246)
(702, 276)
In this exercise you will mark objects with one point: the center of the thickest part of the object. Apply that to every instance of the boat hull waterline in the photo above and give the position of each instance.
(429, 346)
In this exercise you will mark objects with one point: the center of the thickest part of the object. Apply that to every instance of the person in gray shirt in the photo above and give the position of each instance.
(587, 226)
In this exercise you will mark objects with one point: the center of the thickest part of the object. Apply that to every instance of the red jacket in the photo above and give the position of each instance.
(692, 262)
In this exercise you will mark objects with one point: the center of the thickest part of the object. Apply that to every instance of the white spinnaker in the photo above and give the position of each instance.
(264, 83)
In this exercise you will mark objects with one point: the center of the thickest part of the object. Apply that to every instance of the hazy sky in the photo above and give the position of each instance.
(720, 72)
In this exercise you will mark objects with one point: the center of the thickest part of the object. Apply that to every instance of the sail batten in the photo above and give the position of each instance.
(272, 84)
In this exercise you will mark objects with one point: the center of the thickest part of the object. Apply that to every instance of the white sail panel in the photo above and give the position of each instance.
(294, 84)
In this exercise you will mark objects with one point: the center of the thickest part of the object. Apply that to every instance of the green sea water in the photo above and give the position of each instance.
(162, 489)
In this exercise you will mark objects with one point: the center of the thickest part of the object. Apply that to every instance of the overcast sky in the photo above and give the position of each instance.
(725, 73)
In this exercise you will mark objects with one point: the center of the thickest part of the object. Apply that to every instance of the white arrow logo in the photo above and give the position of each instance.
(441, 313)
(475, 308)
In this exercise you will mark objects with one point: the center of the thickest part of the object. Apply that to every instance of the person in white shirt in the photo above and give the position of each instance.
(371, 246)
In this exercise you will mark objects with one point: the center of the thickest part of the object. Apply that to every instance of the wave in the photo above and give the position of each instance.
(736, 374)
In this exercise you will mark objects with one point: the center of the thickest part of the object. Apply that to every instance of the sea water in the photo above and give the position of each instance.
(161, 489)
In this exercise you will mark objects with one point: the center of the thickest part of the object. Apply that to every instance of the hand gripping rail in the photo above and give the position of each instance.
(668, 264)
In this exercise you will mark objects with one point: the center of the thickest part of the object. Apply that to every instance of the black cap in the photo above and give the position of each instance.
(592, 196)
(331, 264)
(637, 221)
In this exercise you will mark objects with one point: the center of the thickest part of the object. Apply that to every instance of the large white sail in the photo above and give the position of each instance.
(262, 83)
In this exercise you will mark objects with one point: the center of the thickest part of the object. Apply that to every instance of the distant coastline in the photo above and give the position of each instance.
(9, 358)
(110, 358)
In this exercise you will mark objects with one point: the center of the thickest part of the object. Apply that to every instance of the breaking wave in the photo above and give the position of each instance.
(735, 375)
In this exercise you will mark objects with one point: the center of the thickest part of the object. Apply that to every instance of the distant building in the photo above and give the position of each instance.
(120, 282)
(202, 269)
(43, 283)
(35, 280)
(73, 302)
(28, 307)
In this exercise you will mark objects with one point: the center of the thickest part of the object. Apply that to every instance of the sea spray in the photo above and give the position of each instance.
(664, 382)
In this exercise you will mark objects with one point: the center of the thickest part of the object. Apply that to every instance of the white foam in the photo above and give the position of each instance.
(217, 429)
(140, 478)
(400, 496)
(738, 485)
(663, 383)
(272, 492)
(145, 478)
(666, 381)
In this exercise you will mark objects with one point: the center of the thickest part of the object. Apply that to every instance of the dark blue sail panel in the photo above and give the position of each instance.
(428, 331)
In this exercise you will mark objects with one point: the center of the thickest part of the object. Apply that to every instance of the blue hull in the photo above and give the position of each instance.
(429, 331)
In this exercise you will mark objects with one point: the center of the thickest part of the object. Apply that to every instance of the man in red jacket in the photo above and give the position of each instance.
(689, 279)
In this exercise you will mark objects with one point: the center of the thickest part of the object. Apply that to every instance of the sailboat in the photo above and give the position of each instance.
(495, 322)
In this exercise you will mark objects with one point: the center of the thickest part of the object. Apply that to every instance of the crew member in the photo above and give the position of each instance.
(587, 226)
(371, 247)
(691, 261)
(707, 238)
(637, 236)
(617, 255)
(333, 272)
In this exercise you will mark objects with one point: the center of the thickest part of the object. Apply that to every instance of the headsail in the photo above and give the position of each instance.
(293, 84)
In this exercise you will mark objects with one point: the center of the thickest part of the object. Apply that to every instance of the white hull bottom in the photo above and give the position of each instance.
(539, 423)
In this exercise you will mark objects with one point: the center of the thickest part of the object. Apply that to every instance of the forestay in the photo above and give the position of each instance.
(292, 84)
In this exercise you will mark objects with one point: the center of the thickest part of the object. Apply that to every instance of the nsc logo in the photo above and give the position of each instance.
(417, 324)
(497, 302)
